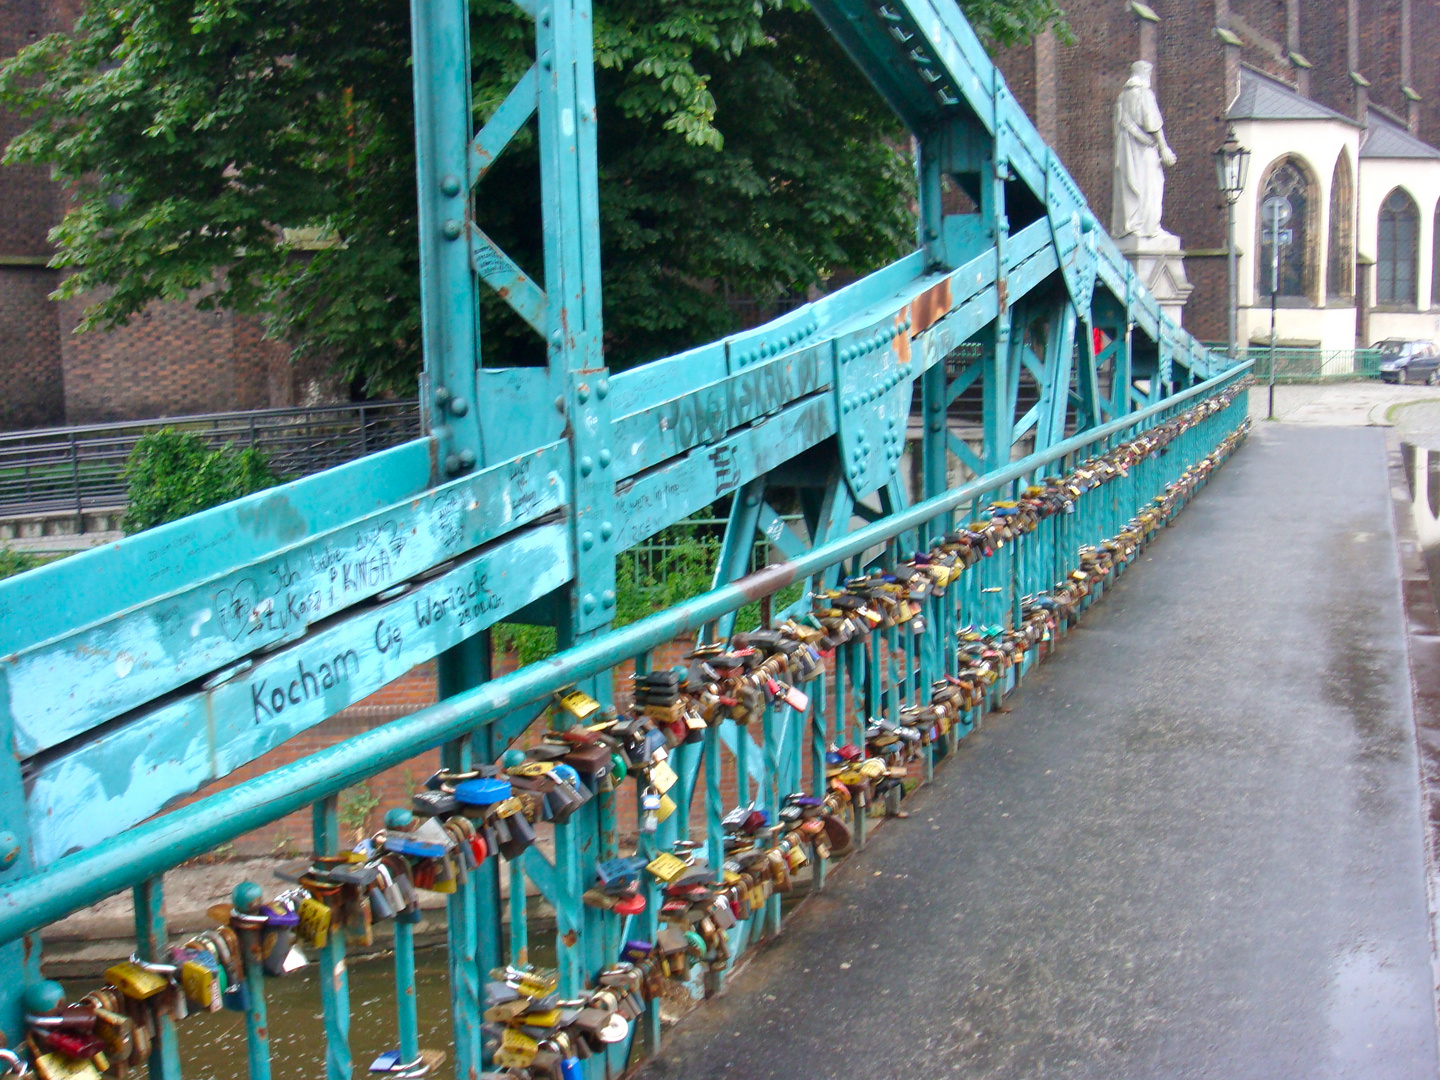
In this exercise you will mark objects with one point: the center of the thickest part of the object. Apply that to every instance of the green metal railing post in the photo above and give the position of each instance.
(152, 944)
(334, 977)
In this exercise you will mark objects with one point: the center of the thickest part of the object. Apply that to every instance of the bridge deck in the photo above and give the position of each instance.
(1192, 848)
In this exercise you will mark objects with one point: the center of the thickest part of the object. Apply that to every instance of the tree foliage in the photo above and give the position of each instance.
(172, 474)
(740, 153)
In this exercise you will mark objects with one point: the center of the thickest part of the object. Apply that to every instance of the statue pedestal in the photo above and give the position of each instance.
(1158, 263)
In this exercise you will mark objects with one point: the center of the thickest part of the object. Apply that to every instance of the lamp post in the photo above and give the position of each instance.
(1232, 163)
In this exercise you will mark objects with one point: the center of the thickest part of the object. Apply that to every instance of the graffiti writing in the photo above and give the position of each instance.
(268, 702)
(464, 602)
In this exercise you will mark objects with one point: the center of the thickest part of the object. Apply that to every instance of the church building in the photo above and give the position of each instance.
(1340, 122)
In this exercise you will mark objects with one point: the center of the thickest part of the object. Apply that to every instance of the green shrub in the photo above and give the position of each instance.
(14, 562)
(172, 474)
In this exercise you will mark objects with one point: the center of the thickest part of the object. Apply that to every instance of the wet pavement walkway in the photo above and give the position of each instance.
(1191, 848)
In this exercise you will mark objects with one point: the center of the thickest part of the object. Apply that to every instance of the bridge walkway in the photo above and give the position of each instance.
(1192, 847)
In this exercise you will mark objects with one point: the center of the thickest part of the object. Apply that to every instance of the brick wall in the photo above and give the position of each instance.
(29, 337)
(174, 359)
(31, 387)
(1323, 40)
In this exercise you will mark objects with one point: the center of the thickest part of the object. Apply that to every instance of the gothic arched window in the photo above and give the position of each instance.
(1340, 274)
(1398, 249)
(1289, 181)
(1435, 261)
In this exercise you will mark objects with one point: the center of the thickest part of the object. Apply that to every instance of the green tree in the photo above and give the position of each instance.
(740, 152)
(172, 474)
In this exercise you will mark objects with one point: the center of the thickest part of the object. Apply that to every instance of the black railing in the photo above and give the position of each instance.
(79, 469)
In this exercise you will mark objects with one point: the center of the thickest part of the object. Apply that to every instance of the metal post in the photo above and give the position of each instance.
(333, 977)
(75, 476)
(1274, 290)
(150, 939)
(1233, 342)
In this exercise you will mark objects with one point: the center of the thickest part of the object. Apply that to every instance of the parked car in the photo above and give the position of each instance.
(1404, 361)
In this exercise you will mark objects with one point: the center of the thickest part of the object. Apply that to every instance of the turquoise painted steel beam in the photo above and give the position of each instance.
(147, 849)
(127, 772)
(513, 285)
(60, 598)
(449, 305)
(504, 123)
(114, 663)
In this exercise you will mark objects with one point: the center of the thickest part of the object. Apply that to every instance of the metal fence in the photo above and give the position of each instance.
(654, 558)
(80, 469)
(1311, 365)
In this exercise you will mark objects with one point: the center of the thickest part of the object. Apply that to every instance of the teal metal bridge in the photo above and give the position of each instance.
(135, 675)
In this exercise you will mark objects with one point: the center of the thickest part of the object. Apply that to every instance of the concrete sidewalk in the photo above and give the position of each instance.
(1192, 848)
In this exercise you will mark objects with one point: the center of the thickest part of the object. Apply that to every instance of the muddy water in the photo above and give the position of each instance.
(212, 1045)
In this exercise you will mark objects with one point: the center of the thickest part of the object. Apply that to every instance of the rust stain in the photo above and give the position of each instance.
(930, 307)
(770, 580)
(901, 345)
(1002, 294)
(570, 938)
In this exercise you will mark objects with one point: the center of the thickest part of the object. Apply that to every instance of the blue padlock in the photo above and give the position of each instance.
(482, 792)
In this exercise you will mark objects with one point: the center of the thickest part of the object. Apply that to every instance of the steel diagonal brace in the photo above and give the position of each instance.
(515, 287)
(513, 114)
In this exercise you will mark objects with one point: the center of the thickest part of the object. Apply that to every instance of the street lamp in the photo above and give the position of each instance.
(1232, 163)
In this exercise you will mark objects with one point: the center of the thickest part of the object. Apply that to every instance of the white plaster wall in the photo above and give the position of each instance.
(1421, 178)
(1332, 327)
(1410, 325)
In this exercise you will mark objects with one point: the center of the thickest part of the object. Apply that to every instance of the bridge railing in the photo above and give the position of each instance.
(1121, 480)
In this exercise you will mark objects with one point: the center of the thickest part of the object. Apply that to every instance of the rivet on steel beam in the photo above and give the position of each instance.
(604, 457)
(587, 540)
(467, 459)
(452, 463)
(602, 388)
(442, 395)
(583, 392)
(587, 465)
(43, 997)
(605, 530)
(398, 817)
(557, 338)
(450, 185)
(588, 603)
(607, 599)
(459, 406)
(752, 499)
(452, 229)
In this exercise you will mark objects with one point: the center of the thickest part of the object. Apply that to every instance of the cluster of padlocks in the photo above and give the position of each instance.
(460, 819)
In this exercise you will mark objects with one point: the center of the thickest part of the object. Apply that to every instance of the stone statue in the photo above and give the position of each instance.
(1140, 153)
